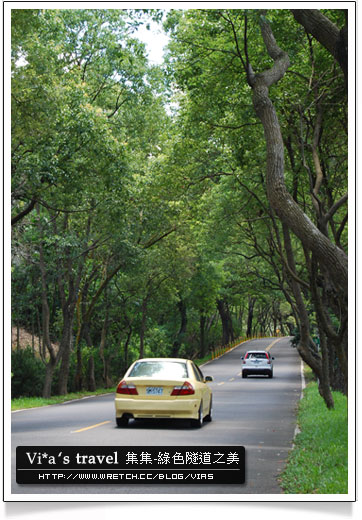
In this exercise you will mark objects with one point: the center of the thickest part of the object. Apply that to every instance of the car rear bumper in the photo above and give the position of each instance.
(264, 371)
(157, 408)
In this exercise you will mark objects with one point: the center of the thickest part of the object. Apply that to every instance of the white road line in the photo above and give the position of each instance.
(297, 429)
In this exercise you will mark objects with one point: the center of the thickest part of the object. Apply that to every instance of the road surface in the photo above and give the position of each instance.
(258, 413)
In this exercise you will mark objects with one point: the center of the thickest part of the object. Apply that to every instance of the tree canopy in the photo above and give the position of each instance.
(167, 210)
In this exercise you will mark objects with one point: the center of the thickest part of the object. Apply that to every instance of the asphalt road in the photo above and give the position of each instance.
(258, 413)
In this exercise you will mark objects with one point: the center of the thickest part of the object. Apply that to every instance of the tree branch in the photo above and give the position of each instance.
(327, 33)
(25, 212)
(156, 238)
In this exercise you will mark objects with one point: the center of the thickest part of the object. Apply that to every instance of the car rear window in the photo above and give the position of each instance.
(256, 355)
(162, 369)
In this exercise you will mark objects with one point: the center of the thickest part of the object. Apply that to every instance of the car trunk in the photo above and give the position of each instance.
(149, 388)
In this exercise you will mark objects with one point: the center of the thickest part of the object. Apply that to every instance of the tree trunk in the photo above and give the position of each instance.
(240, 318)
(126, 347)
(41, 352)
(202, 335)
(65, 348)
(324, 383)
(319, 365)
(91, 383)
(329, 255)
(226, 321)
(182, 331)
(78, 378)
(17, 337)
(32, 337)
(103, 344)
(47, 345)
(327, 33)
(91, 380)
(49, 372)
(143, 326)
(333, 337)
(249, 326)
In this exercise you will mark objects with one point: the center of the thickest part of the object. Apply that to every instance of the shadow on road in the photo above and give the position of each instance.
(157, 424)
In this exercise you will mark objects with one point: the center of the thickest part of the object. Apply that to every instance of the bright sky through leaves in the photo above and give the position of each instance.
(155, 40)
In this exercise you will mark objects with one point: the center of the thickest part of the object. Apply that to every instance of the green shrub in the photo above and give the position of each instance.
(28, 374)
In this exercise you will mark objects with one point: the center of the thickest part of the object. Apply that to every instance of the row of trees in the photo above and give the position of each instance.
(145, 221)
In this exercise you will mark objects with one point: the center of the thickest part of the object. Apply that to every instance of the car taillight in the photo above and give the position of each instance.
(244, 362)
(267, 356)
(185, 389)
(124, 388)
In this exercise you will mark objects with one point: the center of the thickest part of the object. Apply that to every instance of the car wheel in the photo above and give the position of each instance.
(208, 417)
(122, 422)
(197, 423)
(244, 375)
(271, 375)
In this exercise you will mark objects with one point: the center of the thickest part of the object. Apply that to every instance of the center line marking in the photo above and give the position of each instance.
(272, 344)
(221, 383)
(232, 379)
(90, 427)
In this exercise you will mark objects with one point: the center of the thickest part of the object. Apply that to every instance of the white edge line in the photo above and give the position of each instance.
(297, 429)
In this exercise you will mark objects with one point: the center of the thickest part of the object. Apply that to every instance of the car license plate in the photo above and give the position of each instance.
(154, 390)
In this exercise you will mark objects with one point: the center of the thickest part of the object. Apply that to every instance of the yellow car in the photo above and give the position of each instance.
(164, 388)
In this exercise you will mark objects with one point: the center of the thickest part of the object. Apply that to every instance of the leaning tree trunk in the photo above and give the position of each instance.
(328, 254)
(327, 33)
(319, 365)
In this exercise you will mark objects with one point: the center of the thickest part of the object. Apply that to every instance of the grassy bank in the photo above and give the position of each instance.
(319, 461)
(33, 402)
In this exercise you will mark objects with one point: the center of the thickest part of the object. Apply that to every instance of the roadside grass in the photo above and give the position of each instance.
(21, 403)
(201, 361)
(318, 462)
(308, 374)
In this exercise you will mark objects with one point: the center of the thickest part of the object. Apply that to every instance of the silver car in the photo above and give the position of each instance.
(257, 362)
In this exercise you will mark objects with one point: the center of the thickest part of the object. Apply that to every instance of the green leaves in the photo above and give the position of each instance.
(149, 183)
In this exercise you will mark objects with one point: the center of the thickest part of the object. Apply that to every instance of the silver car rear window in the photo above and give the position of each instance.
(257, 355)
(160, 369)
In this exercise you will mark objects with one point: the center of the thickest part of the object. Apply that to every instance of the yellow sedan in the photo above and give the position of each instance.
(164, 388)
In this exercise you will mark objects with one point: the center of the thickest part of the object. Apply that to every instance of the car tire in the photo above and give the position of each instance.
(197, 423)
(122, 422)
(244, 375)
(208, 417)
(270, 375)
